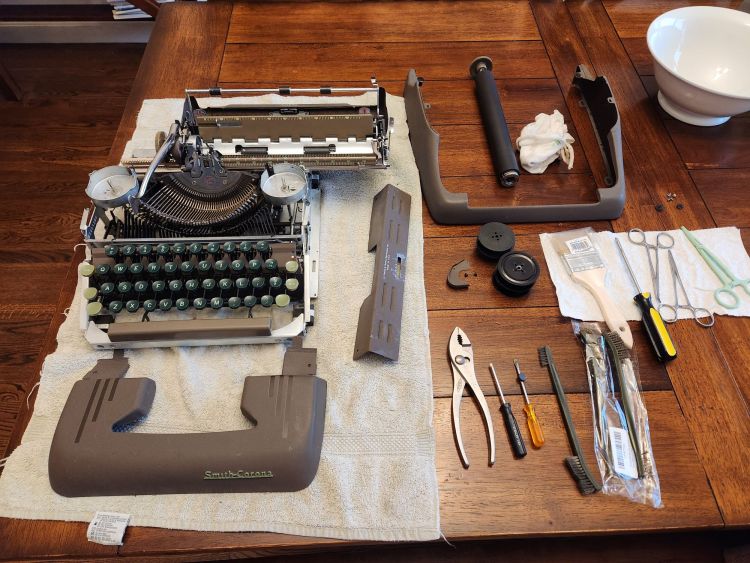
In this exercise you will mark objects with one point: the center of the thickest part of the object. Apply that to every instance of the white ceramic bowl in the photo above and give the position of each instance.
(702, 63)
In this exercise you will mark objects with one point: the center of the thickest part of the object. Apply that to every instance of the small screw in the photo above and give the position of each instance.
(659, 207)
(680, 206)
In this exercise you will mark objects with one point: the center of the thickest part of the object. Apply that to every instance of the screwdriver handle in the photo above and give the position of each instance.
(514, 434)
(535, 429)
(656, 330)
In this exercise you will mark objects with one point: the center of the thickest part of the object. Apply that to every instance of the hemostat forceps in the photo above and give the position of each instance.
(462, 365)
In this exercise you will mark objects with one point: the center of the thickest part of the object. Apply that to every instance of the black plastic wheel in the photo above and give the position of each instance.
(516, 273)
(494, 240)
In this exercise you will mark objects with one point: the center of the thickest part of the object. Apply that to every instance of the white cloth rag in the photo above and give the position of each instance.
(376, 479)
(700, 281)
(543, 141)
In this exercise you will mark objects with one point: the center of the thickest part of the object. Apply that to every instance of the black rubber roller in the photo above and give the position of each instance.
(495, 240)
(516, 274)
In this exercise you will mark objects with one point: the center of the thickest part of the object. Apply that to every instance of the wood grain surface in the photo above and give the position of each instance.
(697, 405)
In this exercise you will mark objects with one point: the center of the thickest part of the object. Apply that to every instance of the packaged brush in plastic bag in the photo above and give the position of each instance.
(622, 441)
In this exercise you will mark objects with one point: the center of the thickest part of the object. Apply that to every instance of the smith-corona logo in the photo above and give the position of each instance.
(240, 474)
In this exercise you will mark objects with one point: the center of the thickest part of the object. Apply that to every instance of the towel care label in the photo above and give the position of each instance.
(107, 528)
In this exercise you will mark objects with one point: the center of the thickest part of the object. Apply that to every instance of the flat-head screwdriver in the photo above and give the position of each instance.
(511, 426)
(535, 429)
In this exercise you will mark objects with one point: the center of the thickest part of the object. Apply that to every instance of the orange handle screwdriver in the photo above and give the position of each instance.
(535, 429)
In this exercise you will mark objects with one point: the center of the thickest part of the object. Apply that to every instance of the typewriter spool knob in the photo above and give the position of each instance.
(284, 183)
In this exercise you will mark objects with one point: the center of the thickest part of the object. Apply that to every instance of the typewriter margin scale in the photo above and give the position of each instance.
(282, 139)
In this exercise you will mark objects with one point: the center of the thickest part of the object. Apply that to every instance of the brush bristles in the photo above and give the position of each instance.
(586, 486)
(543, 356)
(615, 340)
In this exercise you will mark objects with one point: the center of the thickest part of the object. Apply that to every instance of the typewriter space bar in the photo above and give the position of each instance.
(198, 329)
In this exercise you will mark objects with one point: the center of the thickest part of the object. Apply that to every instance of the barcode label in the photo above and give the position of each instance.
(107, 528)
(580, 244)
(622, 453)
(584, 261)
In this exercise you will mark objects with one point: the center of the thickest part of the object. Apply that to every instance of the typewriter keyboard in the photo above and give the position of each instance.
(142, 278)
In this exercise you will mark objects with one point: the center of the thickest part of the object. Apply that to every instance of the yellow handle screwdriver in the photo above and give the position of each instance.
(535, 429)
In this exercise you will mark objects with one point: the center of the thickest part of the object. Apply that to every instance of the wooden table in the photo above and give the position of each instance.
(697, 405)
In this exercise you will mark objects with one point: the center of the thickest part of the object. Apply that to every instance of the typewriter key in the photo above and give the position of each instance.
(229, 247)
(266, 300)
(242, 283)
(141, 286)
(238, 266)
(271, 265)
(170, 268)
(107, 288)
(111, 250)
(165, 304)
(220, 265)
(186, 267)
(292, 284)
(90, 293)
(150, 305)
(153, 268)
(234, 302)
(254, 266)
(204, 266)
(162, 249)
(213, 248)
(291, 267)
(259, 282)
(102, 270)
(175, 285)
(264, 249)
(136, 269)
(120, 269)
(128, 250)
(195, 248)
(250, 301)
(275, 282)
(94, 308)
(208, 284)
(191, 285)
(178, 248)
(282, 300)
(145, 249)
(132, 306)
(115, 307)
(199, 303)
(225, 283)
(86, 270)
(247, 247)
(182, 303)
(158, 286)
(124, 287)
(217, 303)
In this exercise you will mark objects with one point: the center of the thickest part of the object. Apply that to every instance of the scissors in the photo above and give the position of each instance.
(462, 365)
(664, 241)
(701, 315)
(725, 295)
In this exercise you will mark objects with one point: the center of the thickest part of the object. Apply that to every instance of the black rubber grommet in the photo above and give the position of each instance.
(515, 274)
(494, 240)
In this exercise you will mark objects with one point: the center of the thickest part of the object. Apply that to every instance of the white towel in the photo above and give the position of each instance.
(544, 141)
(377, 477)
(700, 281)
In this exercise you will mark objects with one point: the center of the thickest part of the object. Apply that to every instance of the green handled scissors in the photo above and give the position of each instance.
(725, 295)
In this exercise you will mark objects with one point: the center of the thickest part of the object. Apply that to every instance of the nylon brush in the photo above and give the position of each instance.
(586, 267)
(586, 482)
(617, 353)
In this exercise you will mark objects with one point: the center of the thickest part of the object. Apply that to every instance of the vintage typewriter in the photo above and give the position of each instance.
(214, 240)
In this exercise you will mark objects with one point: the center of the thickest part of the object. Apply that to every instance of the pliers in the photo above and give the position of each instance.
(462, 364)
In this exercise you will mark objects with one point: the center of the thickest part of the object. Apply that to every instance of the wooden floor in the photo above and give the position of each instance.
(74, 97)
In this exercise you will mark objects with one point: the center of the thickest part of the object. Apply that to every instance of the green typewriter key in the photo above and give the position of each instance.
(195, 248)
(247, 247)
(158, 286)
(182, 303)
(94, 308)
(199, 303)
(282, 300)
(217, 303)
(141, 286)
(120, 269)
(162, 249)
(107, 288)
(208, 284)
(165, 304)
(271, 265)
(250, 301)
(153, 268)
(238, 266)
(129, 250)
(213, 248)
(263, 248)
(204, 266)
(111, 250)
(275, 282)
(124, 287)
(234, 302)
(102, 270)
(175, 285)
(254, 266)
(266, 300)
(186, 267)
(132, 306)
(291, 267)
(225, 283)
(242, 283)
(150, 305)
(221, 265)
(115, 307)
(136, 269)
(86, 270)
(191, 285)
(292, 284)
(229, 247)
(170, 268)
(259, 282)
(90, 293)
(145, 249)
(178, 248)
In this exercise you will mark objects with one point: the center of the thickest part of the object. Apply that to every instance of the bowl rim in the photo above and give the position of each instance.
(715, 9)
